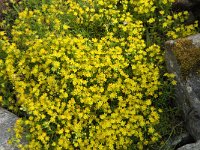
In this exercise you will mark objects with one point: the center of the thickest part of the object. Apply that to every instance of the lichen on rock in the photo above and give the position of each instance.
(188, 56)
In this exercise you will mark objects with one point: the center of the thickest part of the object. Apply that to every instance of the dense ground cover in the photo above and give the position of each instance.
(88, 74)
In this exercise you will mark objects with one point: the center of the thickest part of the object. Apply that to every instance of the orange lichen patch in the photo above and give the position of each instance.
(188, 56)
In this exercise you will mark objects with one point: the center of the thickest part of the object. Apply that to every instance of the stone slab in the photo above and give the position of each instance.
(7, 120)
(193, 146)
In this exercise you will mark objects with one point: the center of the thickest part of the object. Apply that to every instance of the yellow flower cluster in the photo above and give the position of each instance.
(83, 74)
(79, 89)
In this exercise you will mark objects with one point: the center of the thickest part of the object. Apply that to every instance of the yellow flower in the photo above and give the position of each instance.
(148, 102)
(2, 33)
(151, 20)
(151, 130)
(162, 12)
(174, 82)
(1, 99)
(66, 27)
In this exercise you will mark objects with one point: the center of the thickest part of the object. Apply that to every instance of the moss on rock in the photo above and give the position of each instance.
(188, 56)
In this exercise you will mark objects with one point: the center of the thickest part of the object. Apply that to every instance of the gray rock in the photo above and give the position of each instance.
(177, 141)
(193, 146)
(180, 140)
(183, 59)
(7, 120)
